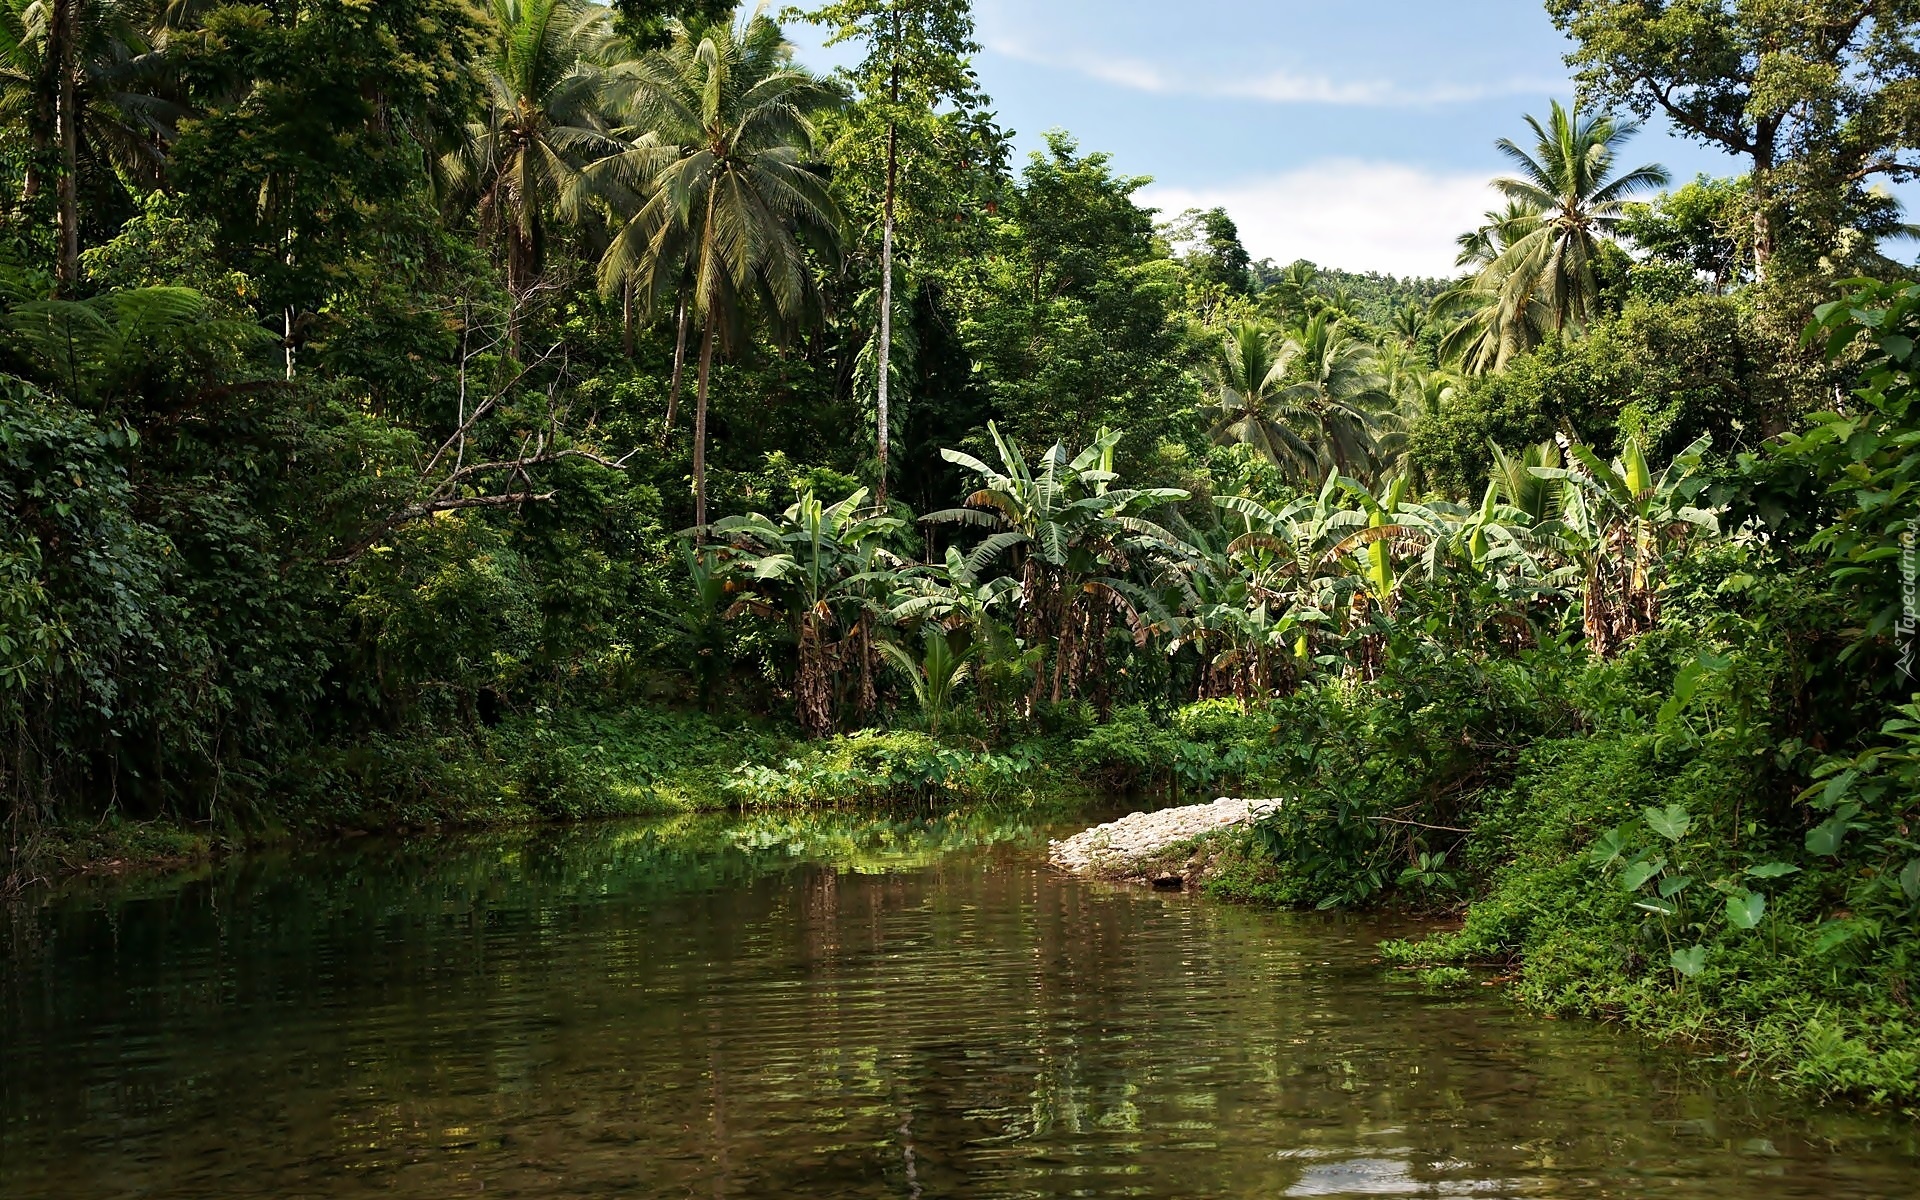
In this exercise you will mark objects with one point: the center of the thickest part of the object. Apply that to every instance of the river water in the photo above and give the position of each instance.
(815, 1007)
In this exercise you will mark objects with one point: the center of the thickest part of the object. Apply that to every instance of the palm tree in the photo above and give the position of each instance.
(86, 81)
(1515, 480)
(1418, 395)
(1338, 397)
(1411, 322)
(541, 125)
(1249, 373)
(720, 162)
(1571, 185)
(1324, 419)
(935, 676)
(1483, 245)
(1495, 325)
(1537, 257)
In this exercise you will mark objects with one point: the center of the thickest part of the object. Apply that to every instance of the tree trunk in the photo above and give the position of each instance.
(700, 431)
(60, 36)
(886, 267)
(886, 313)
(519, 256)
(705, 295)
(679, 365)
(1763, 153)
(626, 316)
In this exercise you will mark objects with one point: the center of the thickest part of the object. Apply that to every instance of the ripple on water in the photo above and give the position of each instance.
(619, 1012)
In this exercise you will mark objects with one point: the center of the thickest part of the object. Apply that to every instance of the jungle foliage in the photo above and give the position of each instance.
(347, 484)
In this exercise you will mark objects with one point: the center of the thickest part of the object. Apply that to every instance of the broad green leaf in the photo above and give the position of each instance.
(1837, 787)
(1659, 908)
(1825, 838)
(1910, 880)
(1609, 848)
(1690, 961)
(1835, 934)
(1772, 870)
(1671, 822)
(1744, 912)
(1636, 875)
(1669, 888)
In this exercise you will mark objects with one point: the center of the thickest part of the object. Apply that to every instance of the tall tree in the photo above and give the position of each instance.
(1208, 242)
(724, 129)
(542, 124)
(918, 58)
(1338, 397)
(84, 78)
(1311, 404)
(1569, 181)
(1249, 373)
(1828, 88)
(309, 129)
(1537, 256)
(1070, 311)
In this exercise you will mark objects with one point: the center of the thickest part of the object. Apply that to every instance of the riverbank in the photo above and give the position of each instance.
(1606, 862)
(573, 765)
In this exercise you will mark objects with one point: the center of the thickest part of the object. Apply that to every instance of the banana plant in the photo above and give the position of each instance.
(1081, 549)
(1285, 554)
(1622, 524)
(935, 676)
(1395, 529)
(825, 569)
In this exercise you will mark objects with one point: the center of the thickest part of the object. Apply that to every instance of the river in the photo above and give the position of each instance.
(829, 1006)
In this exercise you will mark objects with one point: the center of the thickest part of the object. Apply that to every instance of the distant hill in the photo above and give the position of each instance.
(1372, 296)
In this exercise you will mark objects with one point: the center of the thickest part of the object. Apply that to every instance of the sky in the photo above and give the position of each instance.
(1360, 136)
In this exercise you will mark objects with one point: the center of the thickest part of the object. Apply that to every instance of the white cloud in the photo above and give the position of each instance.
(1277, 87)
(1358, 216)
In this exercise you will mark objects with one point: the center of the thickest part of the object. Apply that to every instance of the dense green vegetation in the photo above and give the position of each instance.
(347, 481)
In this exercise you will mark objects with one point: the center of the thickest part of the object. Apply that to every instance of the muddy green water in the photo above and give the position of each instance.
(837, 1007)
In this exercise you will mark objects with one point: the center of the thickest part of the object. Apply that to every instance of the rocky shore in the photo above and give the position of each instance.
(1145, 845)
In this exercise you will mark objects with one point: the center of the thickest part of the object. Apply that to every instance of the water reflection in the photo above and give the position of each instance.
(832, 1007)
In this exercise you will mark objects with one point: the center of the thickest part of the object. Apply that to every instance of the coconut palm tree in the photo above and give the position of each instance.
(1249, 373)
(726, 194)
(1494, 323)
(1483, 245)
(97, 61)
(1312, 406)
(1537, 258)
(1417, 395)
(542, 123)
(1570, 182)
(1411, 322)
(1337, 398)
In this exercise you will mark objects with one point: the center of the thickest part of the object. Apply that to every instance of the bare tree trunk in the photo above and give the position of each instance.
(886, 318)
(626, 316)
(700, 431)
(886, 268)
(679, 365)
(519, 267)
(705, 295)
(60, 37)
(1763, 154)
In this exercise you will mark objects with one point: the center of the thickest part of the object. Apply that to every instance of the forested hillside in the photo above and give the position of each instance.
(416, 413)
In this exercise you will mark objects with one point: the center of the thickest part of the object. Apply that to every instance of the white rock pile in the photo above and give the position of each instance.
(1117, 845)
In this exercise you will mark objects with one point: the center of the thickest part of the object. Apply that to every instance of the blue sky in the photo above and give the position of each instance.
(1357, 135)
